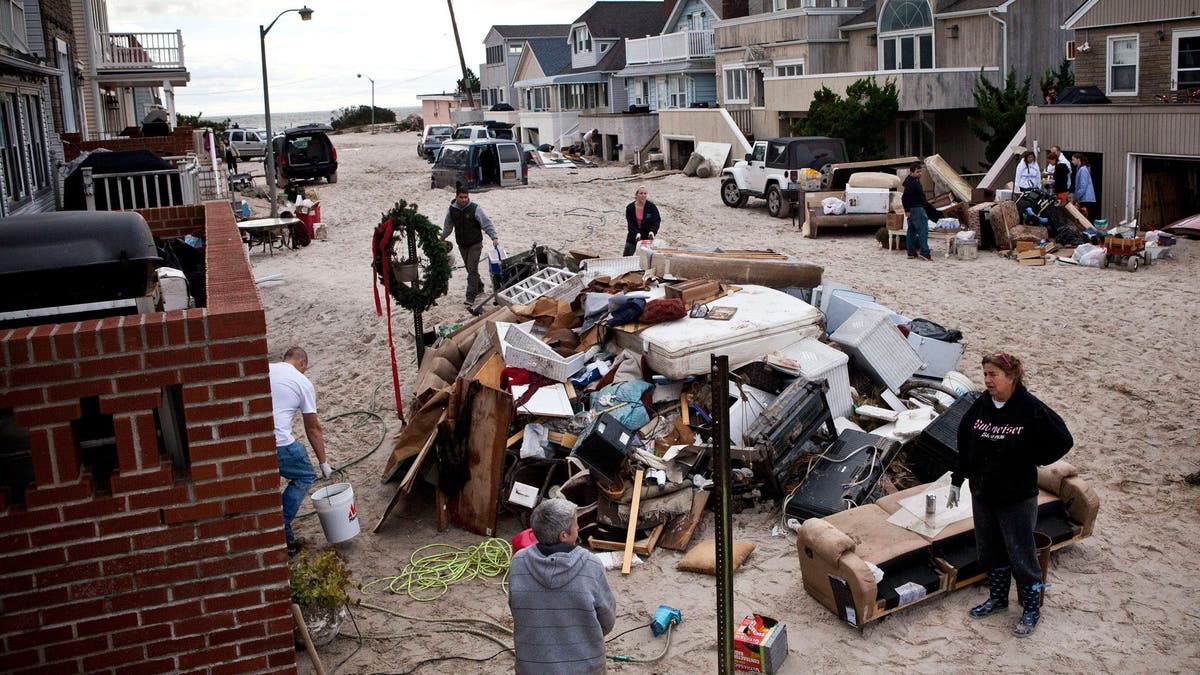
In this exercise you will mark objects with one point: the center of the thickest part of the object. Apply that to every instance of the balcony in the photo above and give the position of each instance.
(140, 56)
(934, 89)
(685, 45)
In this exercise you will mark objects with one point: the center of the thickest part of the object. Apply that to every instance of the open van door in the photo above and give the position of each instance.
(511, 164)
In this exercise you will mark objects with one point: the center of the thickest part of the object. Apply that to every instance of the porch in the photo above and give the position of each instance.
(681, 46)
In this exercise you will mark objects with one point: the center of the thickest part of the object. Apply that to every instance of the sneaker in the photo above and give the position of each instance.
(469, 300)
(912, 256)
(925, 258)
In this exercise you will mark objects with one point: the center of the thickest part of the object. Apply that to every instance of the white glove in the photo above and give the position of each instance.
(326, 470)
(952, 500)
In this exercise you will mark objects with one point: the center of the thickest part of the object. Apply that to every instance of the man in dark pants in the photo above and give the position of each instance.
(918, 209)
(469, 223)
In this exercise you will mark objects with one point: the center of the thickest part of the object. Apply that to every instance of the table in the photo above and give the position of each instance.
(267, 233)
(896, 241)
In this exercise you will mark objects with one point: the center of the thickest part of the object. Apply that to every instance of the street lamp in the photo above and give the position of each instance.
(305, 15)
(372, 102)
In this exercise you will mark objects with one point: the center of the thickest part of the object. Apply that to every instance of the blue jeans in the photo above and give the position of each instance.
(1004, 537)
(918, 233)
(295, 467)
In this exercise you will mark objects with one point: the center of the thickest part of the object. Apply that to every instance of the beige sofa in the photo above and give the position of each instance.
(834, 551)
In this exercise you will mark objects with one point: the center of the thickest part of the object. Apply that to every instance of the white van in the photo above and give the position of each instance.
(249, 142)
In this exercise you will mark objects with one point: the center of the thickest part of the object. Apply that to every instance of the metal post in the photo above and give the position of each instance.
(418, 323)
(719, 407)
(372, 81)
(462, 62)
(269, 158)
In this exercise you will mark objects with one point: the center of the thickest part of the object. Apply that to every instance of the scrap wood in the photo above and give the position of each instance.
(1080, 220)
(765, 254)
(564, 439)
(682, 529)
(642, 547)
(647, 176)
(633, 516)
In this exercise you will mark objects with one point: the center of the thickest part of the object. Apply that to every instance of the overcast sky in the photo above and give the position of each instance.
(407, 46)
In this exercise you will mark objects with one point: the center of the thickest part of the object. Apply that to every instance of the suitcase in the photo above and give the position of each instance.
(936, 449)
(844, 476)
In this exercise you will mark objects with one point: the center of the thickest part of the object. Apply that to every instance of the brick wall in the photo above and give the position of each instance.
(1154, 58)
(177, 221)
(167, 569)
(177, 144)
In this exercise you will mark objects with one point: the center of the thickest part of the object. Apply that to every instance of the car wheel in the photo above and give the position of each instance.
(331, 178)
(778, 205)
(731, 195)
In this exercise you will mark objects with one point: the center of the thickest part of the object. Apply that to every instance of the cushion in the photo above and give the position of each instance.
(824, 539)
(703, 558)
(874, 179)
(1050, 477)
(875, 539)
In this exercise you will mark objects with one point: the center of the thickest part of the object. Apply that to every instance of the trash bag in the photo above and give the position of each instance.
(832, 206)
(1089, 255)
(929, 329)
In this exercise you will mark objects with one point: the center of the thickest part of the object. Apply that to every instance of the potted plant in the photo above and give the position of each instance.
(881, 236)
(320, 581)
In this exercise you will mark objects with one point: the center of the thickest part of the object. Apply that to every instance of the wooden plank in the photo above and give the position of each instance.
(680, 535)
(421, 427)
(642, 547)
(564, 439)
(515, 438)
(684, 413)
(633, 516)
(475, 506)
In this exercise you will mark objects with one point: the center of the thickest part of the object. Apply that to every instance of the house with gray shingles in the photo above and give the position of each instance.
(503, 47)
(559, 108)
(1145, 153)
(674, 69)
(771, 62)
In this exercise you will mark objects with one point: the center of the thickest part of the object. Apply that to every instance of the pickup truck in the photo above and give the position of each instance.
(779, 169)
(484, 130)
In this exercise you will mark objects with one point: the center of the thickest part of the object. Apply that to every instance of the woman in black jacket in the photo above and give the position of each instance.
(642, 219)
(1002, 440)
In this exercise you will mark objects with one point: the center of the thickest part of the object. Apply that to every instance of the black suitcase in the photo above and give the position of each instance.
(936, 449)
(844, 476)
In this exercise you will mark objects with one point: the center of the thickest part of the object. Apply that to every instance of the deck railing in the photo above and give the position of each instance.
(139, 51)
(143, 189)
(681, 46)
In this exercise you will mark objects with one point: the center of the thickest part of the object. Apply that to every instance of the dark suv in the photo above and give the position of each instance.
(305, 152)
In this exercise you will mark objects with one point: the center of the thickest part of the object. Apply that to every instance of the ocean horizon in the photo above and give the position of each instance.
(283, 120)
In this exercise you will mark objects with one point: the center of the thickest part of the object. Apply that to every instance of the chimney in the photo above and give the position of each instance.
(732, 9)
(668, 7)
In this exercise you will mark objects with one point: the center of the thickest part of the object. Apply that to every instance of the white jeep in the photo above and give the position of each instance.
(775, 170)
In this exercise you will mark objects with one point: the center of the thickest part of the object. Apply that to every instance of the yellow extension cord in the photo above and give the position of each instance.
(428, 577)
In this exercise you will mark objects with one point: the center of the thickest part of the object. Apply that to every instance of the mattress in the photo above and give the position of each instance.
(766, 320)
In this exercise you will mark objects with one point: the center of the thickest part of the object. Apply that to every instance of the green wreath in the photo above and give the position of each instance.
(434, 280)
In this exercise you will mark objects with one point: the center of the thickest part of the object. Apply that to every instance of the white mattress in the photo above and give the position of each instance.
(766, 320)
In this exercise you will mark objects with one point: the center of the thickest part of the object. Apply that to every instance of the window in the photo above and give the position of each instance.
(1123, 65)
(677, 90)
(906, 34)
(1185, 60)
(914, 138)
(10, 152)
(496, 54)
(65, 78)
(483, 97)
(736, 87)
(778, 5)
(583, 40)
(792, 69)
(760, 152)
(12, 24)
(515, 50)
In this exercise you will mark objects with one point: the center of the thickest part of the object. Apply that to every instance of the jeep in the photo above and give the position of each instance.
(775, 171)
(485, 129)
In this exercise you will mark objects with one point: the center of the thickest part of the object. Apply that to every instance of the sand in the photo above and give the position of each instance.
(1115, 353)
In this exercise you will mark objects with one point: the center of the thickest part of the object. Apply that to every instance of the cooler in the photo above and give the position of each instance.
(878, 347)
(867, 200)
(814, 361)
(310, 217)
(765, 320)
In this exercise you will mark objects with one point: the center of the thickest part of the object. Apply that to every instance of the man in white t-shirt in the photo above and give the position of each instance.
(292, 392)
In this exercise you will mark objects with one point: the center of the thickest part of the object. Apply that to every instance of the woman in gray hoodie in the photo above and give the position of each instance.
(560, 600)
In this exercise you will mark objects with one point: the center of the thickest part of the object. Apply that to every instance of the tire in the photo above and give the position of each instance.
(331, 178)
(731, 195)
(777, 205)
(1104, 262)
(1131, 263)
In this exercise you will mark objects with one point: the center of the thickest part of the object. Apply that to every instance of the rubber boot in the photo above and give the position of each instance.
(999, 581)
(1031, 600)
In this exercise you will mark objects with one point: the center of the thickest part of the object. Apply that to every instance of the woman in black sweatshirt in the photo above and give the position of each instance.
(1002, 440)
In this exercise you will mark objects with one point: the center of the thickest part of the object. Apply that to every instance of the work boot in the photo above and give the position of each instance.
(999, 582)
(295, 546)
(1031, 600)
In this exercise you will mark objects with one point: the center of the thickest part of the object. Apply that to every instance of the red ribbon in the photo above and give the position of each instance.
(380, 254)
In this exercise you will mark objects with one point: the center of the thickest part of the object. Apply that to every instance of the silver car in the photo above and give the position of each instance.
(249, 142)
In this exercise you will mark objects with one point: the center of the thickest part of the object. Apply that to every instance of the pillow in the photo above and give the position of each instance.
(703, 558)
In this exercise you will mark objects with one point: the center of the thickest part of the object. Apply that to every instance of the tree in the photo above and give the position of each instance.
(197, 121)
(859, 119)
(470, 79)
(1001, 113)
(1060, 79)
(357, 116)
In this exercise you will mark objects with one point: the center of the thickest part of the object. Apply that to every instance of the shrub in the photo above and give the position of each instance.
(320, 579)
(357, 116)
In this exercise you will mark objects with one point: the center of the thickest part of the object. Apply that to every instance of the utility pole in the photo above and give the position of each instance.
(462, 63)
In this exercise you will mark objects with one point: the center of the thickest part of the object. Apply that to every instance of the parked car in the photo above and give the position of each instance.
(479, 163)
(488, 129)
(249, 142)
(305, 152)
(772, 171)
(431, 139)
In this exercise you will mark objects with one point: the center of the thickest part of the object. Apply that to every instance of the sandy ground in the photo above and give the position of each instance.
(1116, 354)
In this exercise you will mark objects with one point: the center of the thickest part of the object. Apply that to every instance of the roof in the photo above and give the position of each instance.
(714, 6)
(623, 19)
(869, 16)
(552, 54)
(870, 13)
(542, 30)
(971, 6)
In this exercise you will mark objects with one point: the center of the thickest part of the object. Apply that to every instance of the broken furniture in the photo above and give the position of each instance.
(267, 233)
(836, 552)
(764, 268)
(815, 361)
(843, 476)
(878, 347)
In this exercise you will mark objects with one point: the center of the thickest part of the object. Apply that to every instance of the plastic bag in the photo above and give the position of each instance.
(1089, 255)
(929, 329)
(832, 206)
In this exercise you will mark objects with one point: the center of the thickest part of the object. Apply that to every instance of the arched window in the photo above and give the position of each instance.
(905, 35)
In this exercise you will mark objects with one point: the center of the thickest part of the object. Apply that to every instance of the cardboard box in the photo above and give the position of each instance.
(759, 645)
(693, 290)
(895, 222)
(1023, 246)
(982, 195)
(1032, 257)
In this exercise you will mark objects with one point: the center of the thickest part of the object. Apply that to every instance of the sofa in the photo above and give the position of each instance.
(835, 551)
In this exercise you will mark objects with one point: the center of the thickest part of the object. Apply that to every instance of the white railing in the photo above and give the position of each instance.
(139, 51)
(142, 189)
(681, 46)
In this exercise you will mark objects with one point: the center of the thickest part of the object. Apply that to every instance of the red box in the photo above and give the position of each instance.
(310, 218)
(759, 645)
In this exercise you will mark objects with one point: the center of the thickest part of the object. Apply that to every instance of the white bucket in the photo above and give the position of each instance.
(960, 383)
(335, 508)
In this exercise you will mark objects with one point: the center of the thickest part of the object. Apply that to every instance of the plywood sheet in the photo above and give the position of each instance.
(716, 153)
(474, 507)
